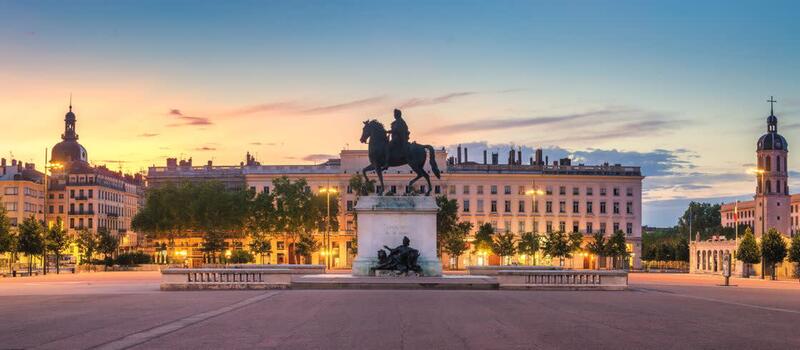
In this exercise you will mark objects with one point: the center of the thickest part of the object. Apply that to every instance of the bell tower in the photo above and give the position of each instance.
(772, 190)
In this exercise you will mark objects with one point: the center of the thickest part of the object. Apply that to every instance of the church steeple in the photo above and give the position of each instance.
(772, 120)
(69, 124)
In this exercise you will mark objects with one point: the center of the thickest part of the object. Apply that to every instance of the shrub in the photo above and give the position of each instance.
(132, 259)
(241, 257)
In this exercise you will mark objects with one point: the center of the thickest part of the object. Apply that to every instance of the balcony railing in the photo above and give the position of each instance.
(81, 212)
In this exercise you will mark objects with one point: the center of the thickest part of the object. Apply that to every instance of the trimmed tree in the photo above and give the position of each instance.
(446, 220)
(56, 241)
(794, 253)
(261, 245)
(87, 245)
(305, 246)
(7, 238)
(241, 257)
(483, 239)
(617, 249)
(529, 244)
(31, 240)
(560, 245)
(598, 247)
(748, 252)
(454, 242)
(773, 249)
(107, 245)
(504, 246)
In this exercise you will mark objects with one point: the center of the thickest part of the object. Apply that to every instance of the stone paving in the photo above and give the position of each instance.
(125, 310)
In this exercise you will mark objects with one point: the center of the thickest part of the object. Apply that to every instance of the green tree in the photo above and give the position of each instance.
(446, 220)
(354, 246)
(31, 240)
(56, 241)
(598, 246)
(748, 253)
(682, 249)
(617, 248)
(773, 249)
(483, 239)
(360, 186)
(794, 253)
(504, 245)
(7, 237)
(213, 246)
(293, 208)
(454, 242)
(529, 244)
(239, 256)
(87, 245)
(705, 218)
(305, 246)
(560, 245)
(261, 244)
(107, 244)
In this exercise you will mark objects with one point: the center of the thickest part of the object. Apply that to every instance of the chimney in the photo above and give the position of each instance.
(511, 156)
(519, 156)
(3, 160)
(466, 155)
(459, 154)
(484, 157)
(495, 158)
(546, 160)
(13, 162)
(210, 163)
(539, 156)
(530, 160)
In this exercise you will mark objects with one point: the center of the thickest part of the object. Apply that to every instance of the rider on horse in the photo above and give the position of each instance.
(398, 146)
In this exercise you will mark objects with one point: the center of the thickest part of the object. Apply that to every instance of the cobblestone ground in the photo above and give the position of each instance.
(120, 310)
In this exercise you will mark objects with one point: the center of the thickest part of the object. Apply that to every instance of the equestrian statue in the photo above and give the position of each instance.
(385, 153)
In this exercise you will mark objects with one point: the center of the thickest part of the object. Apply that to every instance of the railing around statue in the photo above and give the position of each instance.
(195, 279)
(563, 279)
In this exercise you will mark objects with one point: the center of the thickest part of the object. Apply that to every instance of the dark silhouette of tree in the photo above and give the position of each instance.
(773, 249)
(748, 253)
(31, 240)
(529, 244)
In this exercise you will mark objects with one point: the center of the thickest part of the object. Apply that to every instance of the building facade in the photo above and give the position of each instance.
(579, 198)
(21, 191)
(91, 197)
(772, 207)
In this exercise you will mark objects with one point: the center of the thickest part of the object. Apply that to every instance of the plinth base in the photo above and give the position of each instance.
(430, 268)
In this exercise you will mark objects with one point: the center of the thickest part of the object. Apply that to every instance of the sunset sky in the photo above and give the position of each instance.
(677, 88)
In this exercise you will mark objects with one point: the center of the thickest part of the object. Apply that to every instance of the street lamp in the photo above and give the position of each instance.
(534, 207)
(760, 172)
(327, 237)
(45, 208)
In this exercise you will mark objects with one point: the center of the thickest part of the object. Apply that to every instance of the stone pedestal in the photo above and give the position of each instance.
(384, 220)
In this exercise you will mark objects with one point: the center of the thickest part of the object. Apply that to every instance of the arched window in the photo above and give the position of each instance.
(778, 165)
(704, 260)
(768, 188)
(767, 165)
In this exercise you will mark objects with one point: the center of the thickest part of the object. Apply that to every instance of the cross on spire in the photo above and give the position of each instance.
(70, 102)
(771, 104)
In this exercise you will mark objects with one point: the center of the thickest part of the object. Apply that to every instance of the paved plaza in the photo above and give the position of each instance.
(118, 310)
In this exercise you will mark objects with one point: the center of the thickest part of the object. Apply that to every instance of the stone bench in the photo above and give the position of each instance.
(563, 279)
(230, 278)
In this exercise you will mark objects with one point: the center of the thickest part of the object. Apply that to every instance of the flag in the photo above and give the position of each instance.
(736, 212)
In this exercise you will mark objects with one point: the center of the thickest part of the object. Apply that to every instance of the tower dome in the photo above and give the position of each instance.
(772, 140)
(69, 150)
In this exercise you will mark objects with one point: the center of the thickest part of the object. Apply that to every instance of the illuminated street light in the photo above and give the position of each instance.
(327, 236)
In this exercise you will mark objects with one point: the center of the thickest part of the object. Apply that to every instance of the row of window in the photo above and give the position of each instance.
(563, 226)
(13, 191)
(79, 223)
(27, 207)
(521, 190)
(562, 207)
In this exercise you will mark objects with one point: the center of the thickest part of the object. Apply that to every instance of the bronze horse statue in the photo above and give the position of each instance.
(414, 156)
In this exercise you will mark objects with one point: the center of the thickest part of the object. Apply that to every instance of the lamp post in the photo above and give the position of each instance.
(762, 192)
(44, 205)
(534, 207)
(327, 236)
